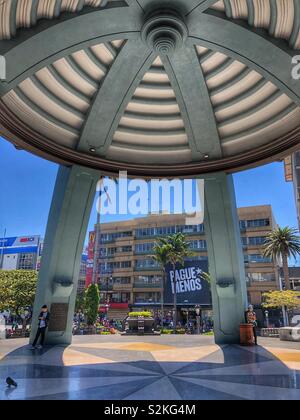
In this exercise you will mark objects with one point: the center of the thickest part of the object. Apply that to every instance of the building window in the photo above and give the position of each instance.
(144, 248)
(257, 223)
(108, 267)
(261, 277)
(253, 240)
(256, 240)
(169, 230)
(257, 258)
(243, 224)
(110, 237)
(118, 297)
(244, 241)
(198, 245)
(111, 252)
(144, 264)
(145, 281)
(125, 249)
(26, 262)
(121, 280)
(197, 258)
(147, 297)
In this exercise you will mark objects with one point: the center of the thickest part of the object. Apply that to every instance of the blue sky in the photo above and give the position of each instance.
(27, 182)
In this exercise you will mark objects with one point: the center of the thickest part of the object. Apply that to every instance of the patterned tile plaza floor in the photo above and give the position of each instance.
(151, 368)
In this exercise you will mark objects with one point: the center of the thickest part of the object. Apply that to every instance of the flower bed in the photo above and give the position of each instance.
(171, 331)
(97, 329)
(18, 333)
(144, 314)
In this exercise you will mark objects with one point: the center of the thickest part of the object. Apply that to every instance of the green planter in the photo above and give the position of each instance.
(140, 325)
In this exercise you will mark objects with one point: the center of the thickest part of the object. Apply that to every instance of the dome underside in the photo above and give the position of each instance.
(204, 108)
(279, 17)
(249, 111)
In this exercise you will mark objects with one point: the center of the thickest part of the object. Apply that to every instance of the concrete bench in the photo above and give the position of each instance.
(289, 334)
(269, 332)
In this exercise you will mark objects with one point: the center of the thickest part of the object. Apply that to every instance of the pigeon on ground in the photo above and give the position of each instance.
(10, 382)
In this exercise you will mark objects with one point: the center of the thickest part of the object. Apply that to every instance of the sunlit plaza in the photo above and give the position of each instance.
(149, 201)
(160, 368)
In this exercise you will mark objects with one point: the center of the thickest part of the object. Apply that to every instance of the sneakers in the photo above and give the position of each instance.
(39, 347)
(32, 348)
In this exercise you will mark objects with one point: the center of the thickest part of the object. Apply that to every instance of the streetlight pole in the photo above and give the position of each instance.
(97, 231)
(267, 318)
(284, 314)
(111, 281)
(198, 310)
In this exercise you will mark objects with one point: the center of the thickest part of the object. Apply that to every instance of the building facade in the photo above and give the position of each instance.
(294, 275)
(82, 274)
(20, 253)
(129, 277)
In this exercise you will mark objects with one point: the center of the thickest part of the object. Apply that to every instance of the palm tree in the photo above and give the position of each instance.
(207, 277)
(282, 243)
(179, 249)
(161, 256)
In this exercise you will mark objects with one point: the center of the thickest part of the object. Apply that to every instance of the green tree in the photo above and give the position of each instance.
(287, 299)
(79, 303)
(91, 303)
(177, 249)
(161, 256)
(17, 289)
(282, 243)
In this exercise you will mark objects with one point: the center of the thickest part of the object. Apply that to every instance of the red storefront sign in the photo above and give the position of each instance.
(118, 305)
(90, 260)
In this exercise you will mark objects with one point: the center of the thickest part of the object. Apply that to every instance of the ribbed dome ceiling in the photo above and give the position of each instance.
(83, 86)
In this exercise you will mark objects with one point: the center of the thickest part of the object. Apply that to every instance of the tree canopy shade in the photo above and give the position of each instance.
(91, 303)
(282, 243)
(277, 299)
(17, 289)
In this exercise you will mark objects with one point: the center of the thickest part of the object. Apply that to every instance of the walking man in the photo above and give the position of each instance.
(43, 324)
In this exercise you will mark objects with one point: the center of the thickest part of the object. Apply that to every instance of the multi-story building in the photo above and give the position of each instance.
(294, 275)
(82, 274)
(20, 253)
(128, 276)
(262, 273)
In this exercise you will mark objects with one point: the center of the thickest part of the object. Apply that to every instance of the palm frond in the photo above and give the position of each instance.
(282, 242)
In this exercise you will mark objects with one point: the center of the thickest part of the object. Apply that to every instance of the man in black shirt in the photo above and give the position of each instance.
(43, 325)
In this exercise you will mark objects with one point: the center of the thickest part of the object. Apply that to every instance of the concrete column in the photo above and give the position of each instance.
(226, 262)
(67, 224)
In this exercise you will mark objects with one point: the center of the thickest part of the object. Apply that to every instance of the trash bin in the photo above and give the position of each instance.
(246, 335)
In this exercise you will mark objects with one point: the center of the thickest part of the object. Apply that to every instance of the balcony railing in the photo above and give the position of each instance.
(104, 287)
(120, 287)
(143, 285)
(146, 302)
(150, 268)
